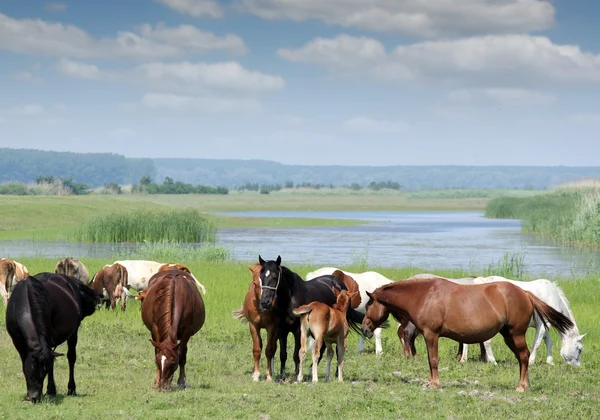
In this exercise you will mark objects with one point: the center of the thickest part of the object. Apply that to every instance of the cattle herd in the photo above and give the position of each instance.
(45, 310)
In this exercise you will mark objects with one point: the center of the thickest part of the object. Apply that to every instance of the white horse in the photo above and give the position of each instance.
(550, 293)
(367, 282)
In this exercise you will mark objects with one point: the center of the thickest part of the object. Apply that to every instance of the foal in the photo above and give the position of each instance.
(258, 319)
(327, 325)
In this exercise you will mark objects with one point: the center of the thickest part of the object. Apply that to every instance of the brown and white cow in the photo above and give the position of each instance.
(11, 272)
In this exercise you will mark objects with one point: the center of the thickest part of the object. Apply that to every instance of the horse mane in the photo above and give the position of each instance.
(163, 307)
(39, 305)
(565, 302)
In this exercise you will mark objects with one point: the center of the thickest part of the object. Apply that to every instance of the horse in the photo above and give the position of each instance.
(464, 313)
(327, 325)
(258, 319)
(74, 268)
(282, 291)
(367, 282)
(548, 292)
(11, 272)
(172, 310)
(43, 312)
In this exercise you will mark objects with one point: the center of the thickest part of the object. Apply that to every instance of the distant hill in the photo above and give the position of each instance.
(101, 168)
(238, 172)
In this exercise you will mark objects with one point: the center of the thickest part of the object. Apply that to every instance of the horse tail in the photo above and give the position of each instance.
(239, 314)
(547, 313)
(39, 306)
(355, 320)
(304, 309)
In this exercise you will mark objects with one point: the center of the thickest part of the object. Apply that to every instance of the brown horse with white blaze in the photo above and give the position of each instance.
(328, 325)
(258, 319)
(172, 310)
(468, 314)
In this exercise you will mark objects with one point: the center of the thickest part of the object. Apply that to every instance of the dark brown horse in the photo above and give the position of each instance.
(172, 310)
(258, 319)
(467, 314)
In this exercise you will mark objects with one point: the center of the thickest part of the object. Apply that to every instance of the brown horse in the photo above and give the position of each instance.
(258, 319)
(327, 325)
(172, 310)
(468, 314)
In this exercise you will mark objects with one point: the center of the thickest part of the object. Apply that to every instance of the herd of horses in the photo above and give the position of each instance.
(45, 310)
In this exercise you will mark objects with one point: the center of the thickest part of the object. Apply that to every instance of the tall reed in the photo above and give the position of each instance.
(150, 226)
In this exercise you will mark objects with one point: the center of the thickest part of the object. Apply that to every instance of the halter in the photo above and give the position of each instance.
(271, 287)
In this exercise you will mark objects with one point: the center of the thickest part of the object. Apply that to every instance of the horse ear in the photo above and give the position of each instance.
(251, 268)
(581, 336)
(278, 260)
(370, 295)
(260, 260)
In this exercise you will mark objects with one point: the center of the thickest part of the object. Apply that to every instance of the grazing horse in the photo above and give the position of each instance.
(11, 272)
(172, 310)
(366, 282)
(327, 325)
(545, 290)
(282, 291)
(464, 313)
(44, 312)
(258, 319)
(74, 268)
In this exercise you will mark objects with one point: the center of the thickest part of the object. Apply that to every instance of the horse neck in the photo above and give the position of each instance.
(403, 295)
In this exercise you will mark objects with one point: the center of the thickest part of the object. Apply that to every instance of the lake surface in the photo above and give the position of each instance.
(429, 240)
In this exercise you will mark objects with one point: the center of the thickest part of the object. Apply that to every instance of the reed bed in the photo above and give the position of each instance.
(175, 226)
(568, 215)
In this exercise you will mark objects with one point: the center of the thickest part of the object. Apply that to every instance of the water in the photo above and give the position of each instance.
(430, 240)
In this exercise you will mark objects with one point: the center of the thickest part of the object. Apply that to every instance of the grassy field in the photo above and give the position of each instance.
(115, 369)
(52, 218)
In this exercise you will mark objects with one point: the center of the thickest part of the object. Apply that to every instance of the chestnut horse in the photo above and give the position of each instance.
(258, 319)
(172, 310)
(327, 325)
(464, 313)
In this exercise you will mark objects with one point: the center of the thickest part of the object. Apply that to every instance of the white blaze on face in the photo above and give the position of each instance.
(266, 275)
(162, 363)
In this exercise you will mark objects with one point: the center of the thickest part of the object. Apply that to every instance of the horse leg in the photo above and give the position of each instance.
(282, 353)
(518, 345)
(432, 352)
(340, 349)
(378, 346)
(181, 382)
(487, 350)
(72, 358)
(410, 339)
(461, 355)
(361, 343)
(51, 390)
(316, 356)
(548, 341)
(256, 350)
(303, 346)
(329, 359)
(297, 344)
(270, 351)
(540, 332)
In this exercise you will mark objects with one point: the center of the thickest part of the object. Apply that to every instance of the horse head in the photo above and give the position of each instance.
(571, 348)
(35, 369)
(167, 360)
(270, 277)
(343, 299)
(375, 314)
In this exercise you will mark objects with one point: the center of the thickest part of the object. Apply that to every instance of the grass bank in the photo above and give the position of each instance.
(568, 215)
(115, 363)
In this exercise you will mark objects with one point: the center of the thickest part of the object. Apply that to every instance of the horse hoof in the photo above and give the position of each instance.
(550, 361)
(256, 376)
(379, 353)
(269, 379)
(71, 393)
(520, 388)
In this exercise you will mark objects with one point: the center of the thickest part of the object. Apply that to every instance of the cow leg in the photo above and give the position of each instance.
(256, 350)
(123, 301)
(72, 357)
(181, 382)
(4, 293)
(270, 352)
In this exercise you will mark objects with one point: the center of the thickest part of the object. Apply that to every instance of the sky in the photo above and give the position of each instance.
(336, 82)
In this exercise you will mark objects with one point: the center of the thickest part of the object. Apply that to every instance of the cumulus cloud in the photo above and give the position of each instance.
(370, 126)
(35, 36)
(499, 96)
(431, 18)
(195, 8)
(488, 59)
(79, 70)
(199, 104)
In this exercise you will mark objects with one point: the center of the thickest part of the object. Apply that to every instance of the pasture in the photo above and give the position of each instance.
(115, 368)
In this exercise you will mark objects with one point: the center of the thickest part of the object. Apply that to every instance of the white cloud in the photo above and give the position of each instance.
(196, 8)
(55, 7)
(499, 96)
(182, 76)
(26, 110)
(35, 36)
(199, 104)
(369, 126)
(431, 18)
(517, 59)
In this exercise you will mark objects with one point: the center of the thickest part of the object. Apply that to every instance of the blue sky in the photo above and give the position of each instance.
(383, 82)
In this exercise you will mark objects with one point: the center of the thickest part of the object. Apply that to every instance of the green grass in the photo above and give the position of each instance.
(115, 369)
(568, 215)
(149, 226)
